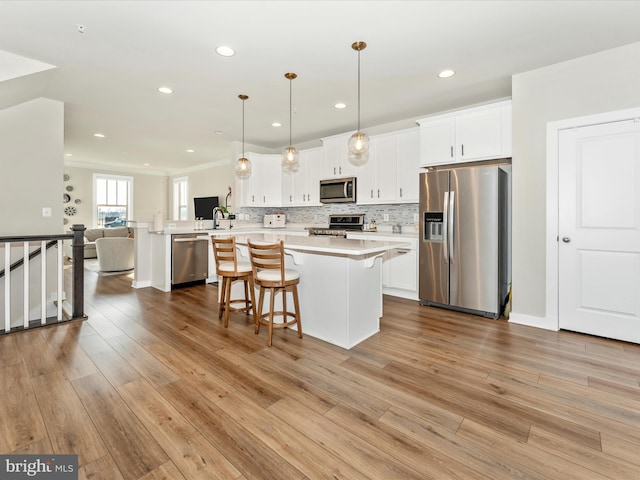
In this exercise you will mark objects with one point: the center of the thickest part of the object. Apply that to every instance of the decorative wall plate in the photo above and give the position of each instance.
(78, 201)
(66, 198)
(66, 177)
(70, 211)
(65, 221)
(69, 188)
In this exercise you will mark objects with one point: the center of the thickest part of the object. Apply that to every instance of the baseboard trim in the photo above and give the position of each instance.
(529, 320)
(136, 284)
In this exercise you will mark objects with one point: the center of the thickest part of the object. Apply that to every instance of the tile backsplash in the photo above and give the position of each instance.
(402, 214)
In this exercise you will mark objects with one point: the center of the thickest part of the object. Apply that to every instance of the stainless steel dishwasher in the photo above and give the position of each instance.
(189, 258)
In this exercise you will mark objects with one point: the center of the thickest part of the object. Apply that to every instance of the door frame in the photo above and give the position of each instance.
(552, 317)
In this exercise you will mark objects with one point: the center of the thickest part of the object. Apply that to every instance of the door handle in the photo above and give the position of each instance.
(445, 230)
(566, 239)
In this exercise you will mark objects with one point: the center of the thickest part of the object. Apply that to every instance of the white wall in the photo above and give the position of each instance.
(149, 194)
(31, 149)
(602, 82)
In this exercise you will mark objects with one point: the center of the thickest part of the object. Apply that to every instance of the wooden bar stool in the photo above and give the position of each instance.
(269, 273)
(230, 270)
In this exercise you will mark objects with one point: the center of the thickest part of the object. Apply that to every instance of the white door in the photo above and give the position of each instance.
(599, 230)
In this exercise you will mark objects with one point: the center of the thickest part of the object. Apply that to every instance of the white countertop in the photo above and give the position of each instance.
(322, 244)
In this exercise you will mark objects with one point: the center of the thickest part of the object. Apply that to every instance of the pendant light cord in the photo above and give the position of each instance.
(242, 128)
(358, 90)
(290, 124)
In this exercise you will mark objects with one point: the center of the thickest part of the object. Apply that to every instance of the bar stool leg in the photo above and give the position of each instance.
(222, 297)
(227, 301)
(297, 309)
(258, 315)
(271, 305)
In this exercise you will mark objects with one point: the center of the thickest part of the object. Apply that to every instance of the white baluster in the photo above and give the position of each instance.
(43, 283)
(25, 285)
(7, 287)
(60, 279)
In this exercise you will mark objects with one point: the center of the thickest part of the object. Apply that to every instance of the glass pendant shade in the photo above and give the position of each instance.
(290, 160)
(243, 168)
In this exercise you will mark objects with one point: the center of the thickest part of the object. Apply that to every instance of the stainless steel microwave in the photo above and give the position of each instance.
(338, 190)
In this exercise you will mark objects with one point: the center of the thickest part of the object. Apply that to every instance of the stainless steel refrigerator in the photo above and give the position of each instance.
(464, 249)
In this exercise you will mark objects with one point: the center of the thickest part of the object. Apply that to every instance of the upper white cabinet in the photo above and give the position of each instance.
(303, 187)
(408, 166)
(264, 187)
(479, 133)
(336, 157)
(391, 175)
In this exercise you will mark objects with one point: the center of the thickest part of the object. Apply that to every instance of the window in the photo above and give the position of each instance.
(180, 198)
(113, 200)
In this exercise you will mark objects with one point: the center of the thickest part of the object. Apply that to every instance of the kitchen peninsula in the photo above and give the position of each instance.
(340, 286)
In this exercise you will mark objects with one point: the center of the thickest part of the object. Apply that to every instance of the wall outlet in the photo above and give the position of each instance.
(385, 217)
(416, 219)
(46, 212)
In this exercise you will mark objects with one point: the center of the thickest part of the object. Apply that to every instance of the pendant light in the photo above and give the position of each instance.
(290, 156)
(243, 165)
(359, 141)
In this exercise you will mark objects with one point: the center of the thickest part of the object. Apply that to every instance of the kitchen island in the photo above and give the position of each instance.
(340, 286)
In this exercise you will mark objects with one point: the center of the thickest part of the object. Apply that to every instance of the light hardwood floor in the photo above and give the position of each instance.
(152, 387)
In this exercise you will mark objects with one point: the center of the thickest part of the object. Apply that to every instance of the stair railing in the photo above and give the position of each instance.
(23, 264)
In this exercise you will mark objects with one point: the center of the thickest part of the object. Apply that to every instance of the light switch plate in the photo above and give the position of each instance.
(385, 217)
(46, 212)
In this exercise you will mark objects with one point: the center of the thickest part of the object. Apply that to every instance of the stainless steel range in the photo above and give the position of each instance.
(339, 225)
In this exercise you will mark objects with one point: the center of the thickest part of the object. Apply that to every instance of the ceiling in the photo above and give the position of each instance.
(108, 76)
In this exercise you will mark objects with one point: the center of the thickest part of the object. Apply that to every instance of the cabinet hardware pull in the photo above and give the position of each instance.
(451, 151)
(378, 193)
(372, 193)
(400, 192)
(462, 148)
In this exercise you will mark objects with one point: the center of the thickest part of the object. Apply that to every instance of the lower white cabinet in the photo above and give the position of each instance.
(399, 266)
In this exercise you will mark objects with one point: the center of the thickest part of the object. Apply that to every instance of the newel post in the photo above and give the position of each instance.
(77, 245)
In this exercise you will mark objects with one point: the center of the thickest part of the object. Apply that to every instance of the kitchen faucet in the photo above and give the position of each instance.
(215, 217)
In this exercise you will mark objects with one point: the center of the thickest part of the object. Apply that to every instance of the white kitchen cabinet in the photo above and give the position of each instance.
(399, 266)
(263, 188)
(391, 176)
(408, 166)
(377, 179)
(336, 157)
(303, 187)
(474, 134)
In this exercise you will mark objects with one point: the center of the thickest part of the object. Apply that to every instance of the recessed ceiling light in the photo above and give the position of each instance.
(190, 150)
(146, 164)
(99, 135)
(446, 73)
(225, 51)
(276, 124)
(68, 155)
(219, 132)
(340, 105)
(165, 90)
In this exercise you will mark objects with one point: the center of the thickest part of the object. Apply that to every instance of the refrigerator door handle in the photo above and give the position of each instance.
(450, 224)
(445, 228)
